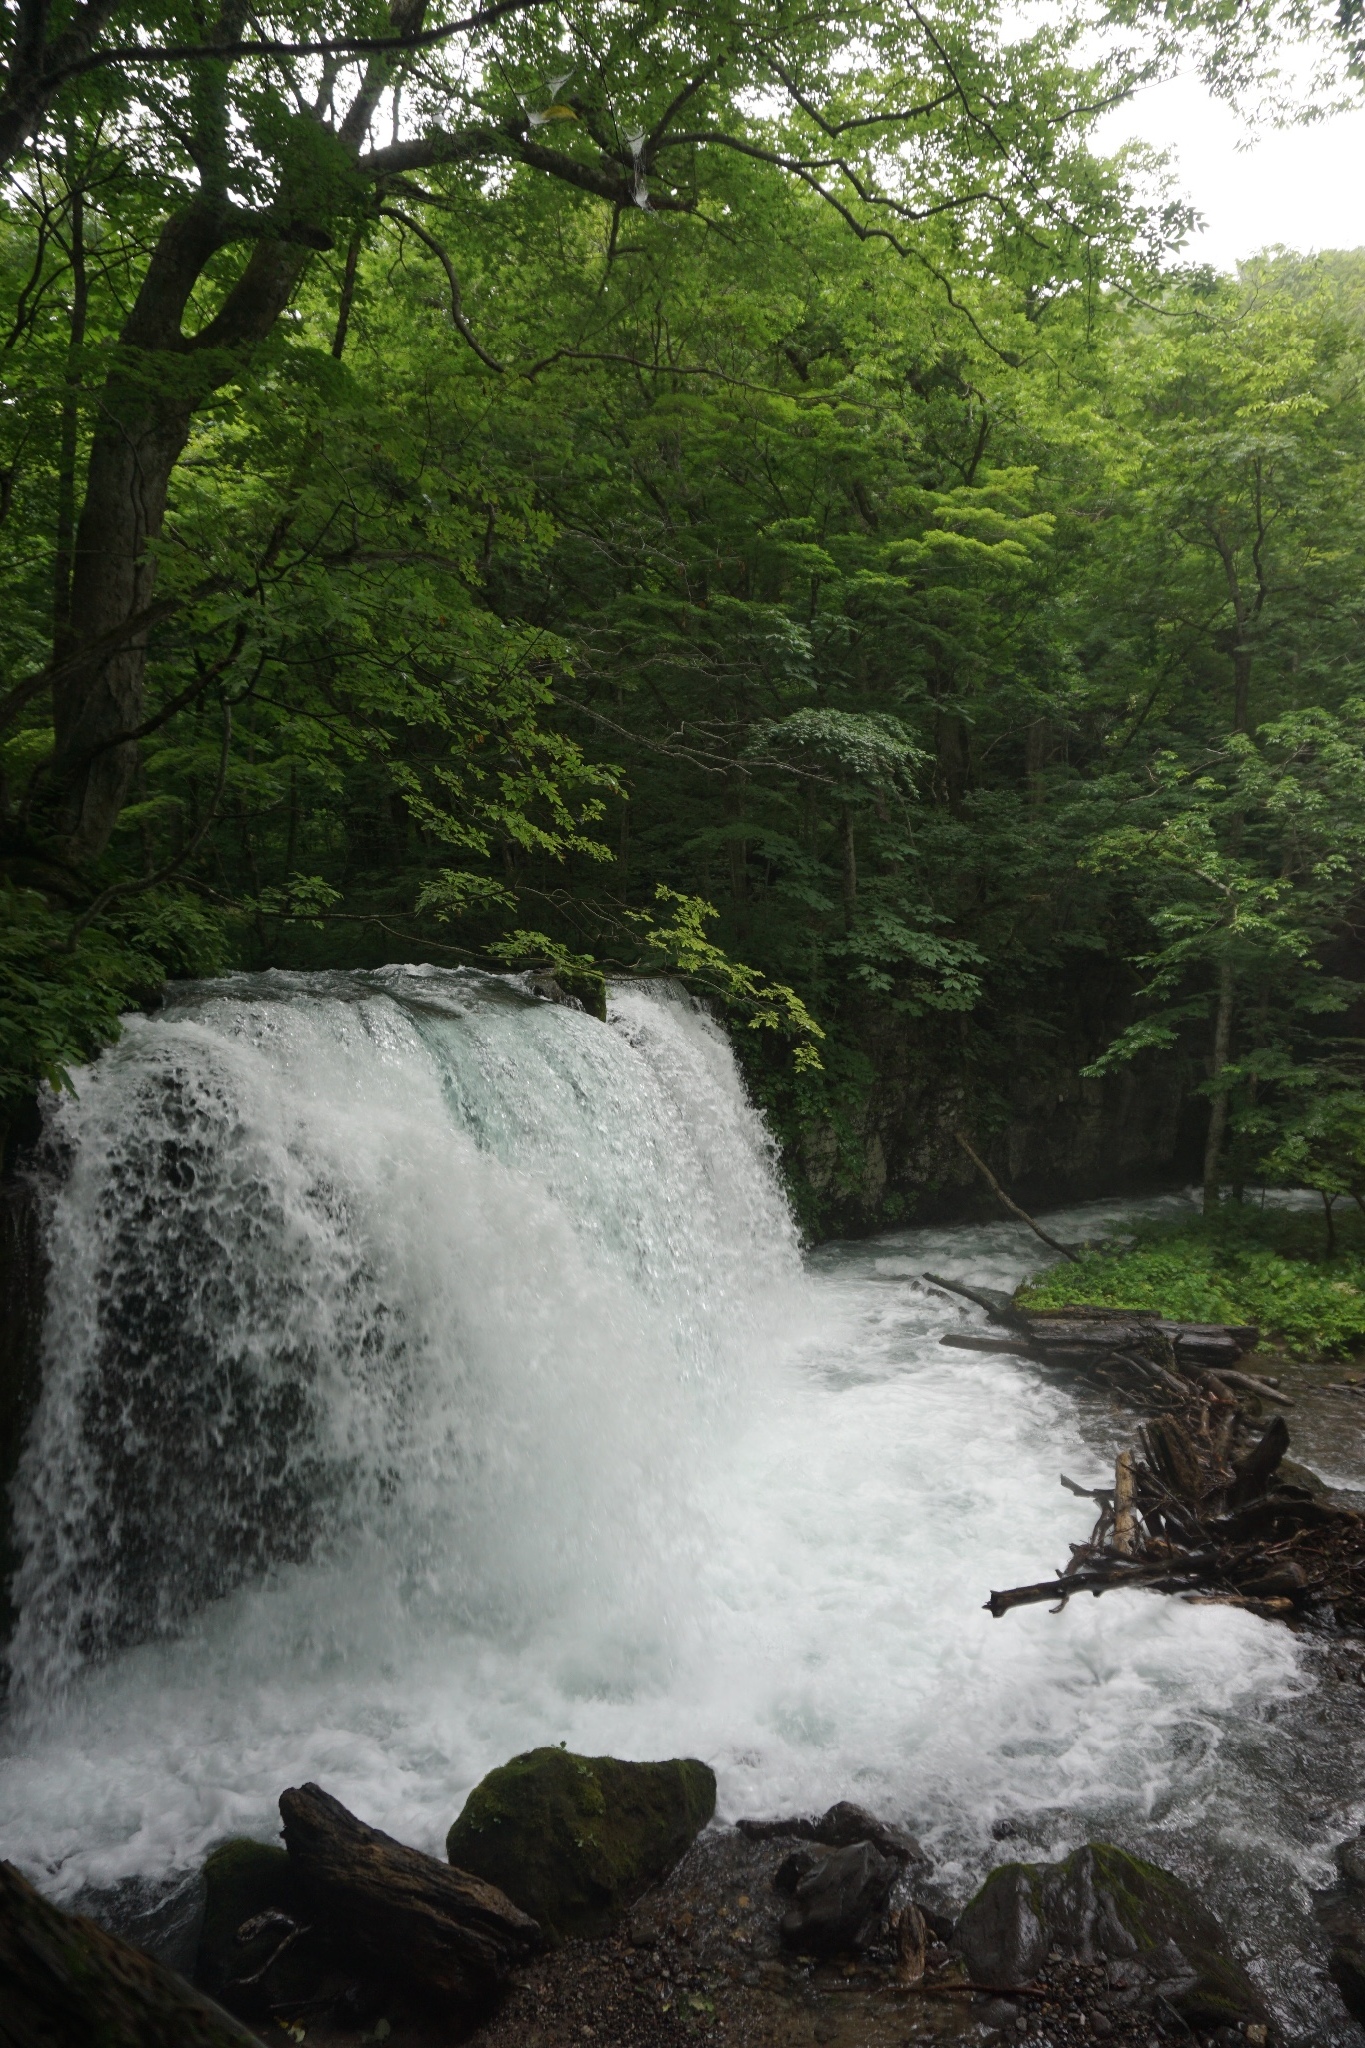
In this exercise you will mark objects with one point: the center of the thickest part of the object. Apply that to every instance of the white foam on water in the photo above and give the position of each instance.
(432, 1373)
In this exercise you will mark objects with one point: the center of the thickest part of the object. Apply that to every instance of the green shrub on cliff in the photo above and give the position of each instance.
(1244, 1265)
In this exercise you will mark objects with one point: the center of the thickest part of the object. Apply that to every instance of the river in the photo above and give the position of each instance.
(433, 1372)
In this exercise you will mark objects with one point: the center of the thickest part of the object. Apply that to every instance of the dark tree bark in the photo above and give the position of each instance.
(406, 1916)
(848, 867)
(65, 1983)
(1218, 1106)
(146, 410)
(70, 427)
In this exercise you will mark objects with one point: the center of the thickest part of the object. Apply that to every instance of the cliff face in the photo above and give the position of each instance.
(889, 1156)
(21, 1314)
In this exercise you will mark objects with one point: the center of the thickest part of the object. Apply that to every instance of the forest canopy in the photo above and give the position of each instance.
(731, 490)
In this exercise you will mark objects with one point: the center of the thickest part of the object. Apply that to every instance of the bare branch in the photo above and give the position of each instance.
(457, 318)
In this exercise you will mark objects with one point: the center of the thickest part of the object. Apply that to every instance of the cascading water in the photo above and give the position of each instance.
(431, 1372)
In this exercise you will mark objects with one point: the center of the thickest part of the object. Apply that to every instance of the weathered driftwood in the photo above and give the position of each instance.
(439, 1931)
(1199, 1505)
(1145, 1357)
(66, 1983)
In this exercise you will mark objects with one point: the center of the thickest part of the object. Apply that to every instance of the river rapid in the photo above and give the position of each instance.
(432, 1372)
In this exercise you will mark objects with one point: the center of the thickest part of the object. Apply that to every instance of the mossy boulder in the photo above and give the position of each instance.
(1101, 1905)
(244, 1881)
(574, 1840)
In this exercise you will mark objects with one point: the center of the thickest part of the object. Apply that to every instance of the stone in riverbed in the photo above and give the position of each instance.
(244, 1881)
(1101, 1905)
(574, 1840)
(839, 1827)
(1342, 1913)
(837, 1902)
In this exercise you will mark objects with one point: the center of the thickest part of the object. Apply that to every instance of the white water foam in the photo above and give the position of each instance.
(432, 1373)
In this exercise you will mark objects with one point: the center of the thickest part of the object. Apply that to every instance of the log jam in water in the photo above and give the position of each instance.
(432, 1372)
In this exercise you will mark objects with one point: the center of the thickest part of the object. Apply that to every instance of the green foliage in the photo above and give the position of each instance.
(1245, 1265)
(59, 1004)
(945, 662)
(680, 945)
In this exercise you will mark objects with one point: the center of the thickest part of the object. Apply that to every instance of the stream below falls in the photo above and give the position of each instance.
(432, 1372)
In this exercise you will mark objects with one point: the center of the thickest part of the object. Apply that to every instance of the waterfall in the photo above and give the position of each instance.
(431, 1371)
(405, 1264)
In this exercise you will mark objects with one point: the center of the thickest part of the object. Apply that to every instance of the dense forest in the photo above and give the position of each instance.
(725, 490)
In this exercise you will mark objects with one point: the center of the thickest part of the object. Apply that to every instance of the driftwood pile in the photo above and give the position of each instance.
(1201, 1504)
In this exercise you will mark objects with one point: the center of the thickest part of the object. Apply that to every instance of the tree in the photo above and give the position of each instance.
(251, 154)
(1246, 863)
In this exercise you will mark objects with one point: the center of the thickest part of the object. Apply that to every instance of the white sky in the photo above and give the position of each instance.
(1302, 186)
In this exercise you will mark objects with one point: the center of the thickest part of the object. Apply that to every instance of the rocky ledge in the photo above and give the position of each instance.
(587, 1901)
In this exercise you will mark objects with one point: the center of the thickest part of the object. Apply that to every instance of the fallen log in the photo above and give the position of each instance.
(1255, 1386)
(443, 1933)
(1154, 1357)
(994, 1300)
(70, 1984)
(974, 1340)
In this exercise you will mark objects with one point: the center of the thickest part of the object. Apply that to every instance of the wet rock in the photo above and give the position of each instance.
(837, 1903)
(1346, 1968)
(794, 1868)
(1349, 1857)
(842, 1825)
(243, 1880)
(1342, 1914)
(1003, 1932)
(1101, 1905)
(70, 1984)
(162, 1917)
(574, 1840)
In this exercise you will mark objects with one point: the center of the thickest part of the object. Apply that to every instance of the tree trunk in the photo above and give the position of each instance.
(1241, 683)
(1329, 1203)
(404, 1915)
(849, 866)
(1218, 1107)
(70, 426)
(69, 1984)
(146, 409)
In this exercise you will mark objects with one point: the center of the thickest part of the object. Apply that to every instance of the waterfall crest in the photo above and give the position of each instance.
(403, 1264)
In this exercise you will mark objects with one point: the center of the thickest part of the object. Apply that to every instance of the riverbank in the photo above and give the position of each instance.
(1295, 1272)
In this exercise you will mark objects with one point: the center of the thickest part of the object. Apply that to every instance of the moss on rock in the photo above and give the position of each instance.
(573, 1840)
(243, 1878)
(1102, 1905)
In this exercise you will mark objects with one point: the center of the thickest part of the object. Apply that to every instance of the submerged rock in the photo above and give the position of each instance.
(164, 1917)
(250, 1891)
(837, 1902)
(1342, 1913)
(574, 1840)
(1100, 1905)
(70, 1984)
(843, 1824)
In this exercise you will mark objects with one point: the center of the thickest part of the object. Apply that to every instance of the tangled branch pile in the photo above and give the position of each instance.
(1201, 1505)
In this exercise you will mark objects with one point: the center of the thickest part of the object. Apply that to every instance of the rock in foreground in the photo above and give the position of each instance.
(574, 1840)
(1101, 1905)
(69, 1984)
(838, 1899)
(445, 1935)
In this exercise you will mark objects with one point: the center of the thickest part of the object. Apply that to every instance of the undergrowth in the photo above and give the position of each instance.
(1269, 1267)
